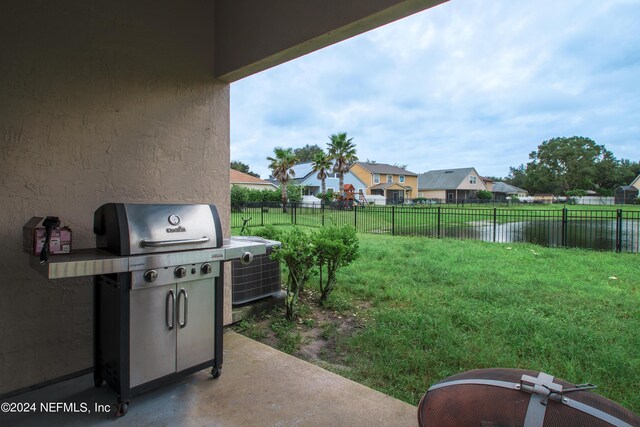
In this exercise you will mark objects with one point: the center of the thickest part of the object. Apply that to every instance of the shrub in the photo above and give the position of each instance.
(326, 197)
(294, 193)
(484, 195)
(239, 197)
(267, 232)
(334, 247)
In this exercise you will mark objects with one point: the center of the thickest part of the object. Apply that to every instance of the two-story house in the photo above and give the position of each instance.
(394, 183)
(452, 185)
(306, 177)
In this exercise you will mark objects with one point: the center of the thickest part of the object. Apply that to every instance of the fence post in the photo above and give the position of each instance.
(618, 230)
(322, 211)
(438, 235)
(564, 227)
(494, 223)
(262, 214)
(355, 216)
(393, 220)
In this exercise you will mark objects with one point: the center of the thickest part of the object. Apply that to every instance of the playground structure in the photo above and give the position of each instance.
(350, 198)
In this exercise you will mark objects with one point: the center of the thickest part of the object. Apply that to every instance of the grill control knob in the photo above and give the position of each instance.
(180, 272)
(206, 268)
(150, 275)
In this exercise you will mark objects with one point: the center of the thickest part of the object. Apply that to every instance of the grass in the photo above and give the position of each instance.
(440, 307)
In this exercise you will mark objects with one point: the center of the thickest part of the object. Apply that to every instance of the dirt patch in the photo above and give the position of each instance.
(317, 335)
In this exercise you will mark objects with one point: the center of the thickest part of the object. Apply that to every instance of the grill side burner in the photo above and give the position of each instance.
(161, 319)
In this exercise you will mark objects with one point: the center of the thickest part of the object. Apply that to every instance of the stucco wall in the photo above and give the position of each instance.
(99, 102)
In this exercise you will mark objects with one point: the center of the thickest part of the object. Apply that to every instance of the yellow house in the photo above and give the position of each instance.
(392, 182)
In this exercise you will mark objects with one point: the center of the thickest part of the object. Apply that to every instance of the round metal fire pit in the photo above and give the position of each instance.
(512, 397)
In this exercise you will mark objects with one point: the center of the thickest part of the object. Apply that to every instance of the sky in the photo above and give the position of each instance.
(467, 83)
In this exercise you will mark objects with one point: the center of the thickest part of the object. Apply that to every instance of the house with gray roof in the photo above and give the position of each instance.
(503, 191)
(451, 185)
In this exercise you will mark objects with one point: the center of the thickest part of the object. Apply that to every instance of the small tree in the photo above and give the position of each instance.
(334, 247)
(484, 195)
(298, 254)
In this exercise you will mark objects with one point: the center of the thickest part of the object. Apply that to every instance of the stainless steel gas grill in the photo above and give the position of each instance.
(161, 319)
(158, 292)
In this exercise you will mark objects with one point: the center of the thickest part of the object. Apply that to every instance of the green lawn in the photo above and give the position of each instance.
(439, 307)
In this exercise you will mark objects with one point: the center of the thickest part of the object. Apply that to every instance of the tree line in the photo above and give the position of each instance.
(562, 166)
(572, 166)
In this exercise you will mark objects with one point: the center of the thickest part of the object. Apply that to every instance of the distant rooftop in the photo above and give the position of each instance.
(443, 179)
(238, 177)
(383, 168)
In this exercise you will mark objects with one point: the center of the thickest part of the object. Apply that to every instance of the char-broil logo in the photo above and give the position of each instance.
(174, 220)
(179, 229)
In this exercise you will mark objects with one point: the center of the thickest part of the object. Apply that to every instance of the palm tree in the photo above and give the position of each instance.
(343, 153)
(281, 166)
(321, 164)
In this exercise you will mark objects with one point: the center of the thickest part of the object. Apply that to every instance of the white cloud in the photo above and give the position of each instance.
(466, 83)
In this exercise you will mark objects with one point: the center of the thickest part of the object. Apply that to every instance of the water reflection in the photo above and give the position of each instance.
(598, 234)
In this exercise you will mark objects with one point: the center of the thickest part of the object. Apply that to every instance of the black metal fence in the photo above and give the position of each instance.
(610, 230)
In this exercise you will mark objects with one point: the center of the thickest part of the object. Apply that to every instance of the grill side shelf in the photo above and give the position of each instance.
(83, 262)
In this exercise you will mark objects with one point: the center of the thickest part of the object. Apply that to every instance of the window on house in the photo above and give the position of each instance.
(376, 178)
(472, 179)
(401, 178)
(389, 178)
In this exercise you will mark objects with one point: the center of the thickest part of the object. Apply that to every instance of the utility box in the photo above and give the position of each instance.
(259, 279)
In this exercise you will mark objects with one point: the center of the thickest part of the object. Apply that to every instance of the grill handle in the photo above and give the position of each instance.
(163, 243)
(186, 308)
(170, 319)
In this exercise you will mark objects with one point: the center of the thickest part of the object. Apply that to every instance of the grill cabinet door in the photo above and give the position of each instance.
(152, 343)
(196, 338)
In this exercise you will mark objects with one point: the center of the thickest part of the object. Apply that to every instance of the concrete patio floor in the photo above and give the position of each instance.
(259, 386)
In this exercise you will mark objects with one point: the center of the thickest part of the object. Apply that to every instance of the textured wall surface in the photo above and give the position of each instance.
(99, 102)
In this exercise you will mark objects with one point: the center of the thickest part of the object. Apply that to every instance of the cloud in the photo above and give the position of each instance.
(466, 83)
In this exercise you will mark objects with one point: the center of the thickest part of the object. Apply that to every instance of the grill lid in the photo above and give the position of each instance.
(134, 229)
